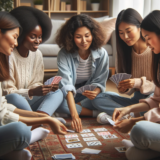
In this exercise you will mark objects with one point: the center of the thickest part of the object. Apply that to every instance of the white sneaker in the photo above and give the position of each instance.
(102, 118)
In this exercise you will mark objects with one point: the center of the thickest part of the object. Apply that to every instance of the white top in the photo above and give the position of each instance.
(25, 73)
(84, 69)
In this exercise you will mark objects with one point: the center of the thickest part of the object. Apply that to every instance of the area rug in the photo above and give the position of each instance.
(56, 144)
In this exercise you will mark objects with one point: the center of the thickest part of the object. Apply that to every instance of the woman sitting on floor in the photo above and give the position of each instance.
(133, 57)
(145, 135)
(81, 62)
(15, 135)
(26, 63)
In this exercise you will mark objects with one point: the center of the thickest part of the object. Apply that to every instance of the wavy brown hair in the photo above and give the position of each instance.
(65, 36)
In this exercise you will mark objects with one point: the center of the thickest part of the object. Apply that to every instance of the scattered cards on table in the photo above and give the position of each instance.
(70, 130)
(74, 145)
(71, 136)
(64, 156)
(103, 133)
(90, 139)
(53, 80)
(121, 149)
(95, 143)
(85, 130)
(111, 121)
(90, 151)
(72, 140)
(100, 129)
(116, 78)
(86, 87)
(87, 135)
(112, 136)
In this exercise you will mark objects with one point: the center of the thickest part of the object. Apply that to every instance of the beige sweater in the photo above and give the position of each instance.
(141, 72)
(26, 73)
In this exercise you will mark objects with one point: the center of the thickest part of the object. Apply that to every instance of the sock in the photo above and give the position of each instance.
(62, 120)
(127, 143)
(96, 112)
(38, 133)
(18, 155)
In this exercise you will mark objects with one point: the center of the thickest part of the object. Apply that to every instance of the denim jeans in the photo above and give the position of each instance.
(145, 136)
(14, 136)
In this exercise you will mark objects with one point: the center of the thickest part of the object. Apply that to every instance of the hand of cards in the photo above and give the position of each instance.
(64, 156)
(53, 80)
(86, 87)
(116, 78)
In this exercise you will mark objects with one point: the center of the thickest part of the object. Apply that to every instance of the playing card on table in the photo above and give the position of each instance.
(74, 145)
(72, 140)
(87, 135)
(71, 136)
(111, 121)
(95, 143)
(100, 129)
(121, 149)
(90, 139)
(56, 80)
(103, 133)
(70, 130)
(112, 136)
(90, 151)
(85, 130)
(64, 156)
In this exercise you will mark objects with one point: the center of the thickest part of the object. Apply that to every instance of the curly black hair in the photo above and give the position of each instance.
(65, 36)
(29, 18)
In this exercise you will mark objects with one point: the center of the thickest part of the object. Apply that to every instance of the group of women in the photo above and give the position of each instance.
(27, 103)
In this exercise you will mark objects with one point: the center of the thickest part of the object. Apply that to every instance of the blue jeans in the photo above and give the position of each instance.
(48, 103)
(145, 136)
(14, 136)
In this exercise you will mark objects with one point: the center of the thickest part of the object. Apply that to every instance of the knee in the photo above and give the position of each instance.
(13, 97)
(58, 93)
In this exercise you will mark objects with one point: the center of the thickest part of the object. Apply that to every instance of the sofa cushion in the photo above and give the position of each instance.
(108, 48)
(56, 24)
(49, 50)
(50, 62)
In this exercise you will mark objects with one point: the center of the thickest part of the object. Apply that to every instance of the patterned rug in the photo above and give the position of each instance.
(56, 144)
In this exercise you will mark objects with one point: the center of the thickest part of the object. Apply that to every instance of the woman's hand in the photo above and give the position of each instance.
(122, 89)
(40, 90)
(119, 113)
(90, 94)
(128, 83)
(76, 124)
(55, 87)
(57, 127)
(125, 125)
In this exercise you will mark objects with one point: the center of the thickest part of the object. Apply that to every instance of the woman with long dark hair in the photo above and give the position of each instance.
(145, 137)
(15, 135)
(133, 57)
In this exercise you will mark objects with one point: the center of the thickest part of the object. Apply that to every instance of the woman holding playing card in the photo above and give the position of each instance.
(133, 57)
(26, 63)
(145, 135)
(15, 135)
(81, 62)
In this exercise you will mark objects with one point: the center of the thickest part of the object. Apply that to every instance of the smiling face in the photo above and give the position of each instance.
(8, 41)
(33, 39)
(152, 40)
(83, 38)
(129, 33)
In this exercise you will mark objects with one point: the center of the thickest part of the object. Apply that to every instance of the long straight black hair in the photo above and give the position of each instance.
(151, 23)
(124, 58)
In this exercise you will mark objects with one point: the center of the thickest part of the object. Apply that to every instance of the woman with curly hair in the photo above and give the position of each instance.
(15, 135)
(26, 63)
(81, 61)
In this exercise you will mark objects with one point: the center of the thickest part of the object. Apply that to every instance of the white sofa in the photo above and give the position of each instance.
(50, 50)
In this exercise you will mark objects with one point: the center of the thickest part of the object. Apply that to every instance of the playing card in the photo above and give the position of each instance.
(90, 151)
(93, 87)
(90, 139)
(103, 133)
(112, 136)
(72, 140)
(86, 130)
(71, 136)
(79, 91)
(95, 143)
(87, 135)
(111, 121)
(48, 82)
(100, 129)
(112, 79)
(64, 156)
(74, 145)
(121, 149)
(70, 130)
(56, 80)
(86, 88)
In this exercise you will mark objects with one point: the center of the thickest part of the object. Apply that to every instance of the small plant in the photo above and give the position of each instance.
(6, 5)
(38, 2)
(95, 1)
(68, 3)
